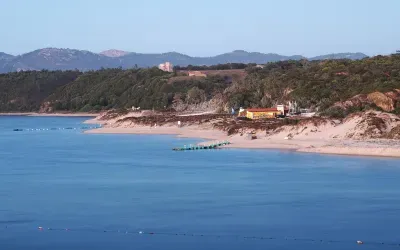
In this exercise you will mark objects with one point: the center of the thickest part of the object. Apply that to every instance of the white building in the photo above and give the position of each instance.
(167, 66)
(281, 108)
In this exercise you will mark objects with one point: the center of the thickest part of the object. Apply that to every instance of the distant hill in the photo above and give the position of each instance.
(241, 56)
(58, 59)
(71, 59)
(351, 56)
(4, 59)
(4, 56)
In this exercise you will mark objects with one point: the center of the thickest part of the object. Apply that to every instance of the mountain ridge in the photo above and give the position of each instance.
(5, 56)
(83, 60)
(114, 53)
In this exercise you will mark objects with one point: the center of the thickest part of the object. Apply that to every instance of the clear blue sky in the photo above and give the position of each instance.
(202, 28)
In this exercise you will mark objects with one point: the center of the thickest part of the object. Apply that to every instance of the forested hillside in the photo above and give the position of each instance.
(25, 91)
(318, 84)
(321, 85)
(145, 88)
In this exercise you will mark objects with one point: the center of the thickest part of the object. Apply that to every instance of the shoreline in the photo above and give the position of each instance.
(204, 134)
(36, 114)
(343, 151)
(386, 148)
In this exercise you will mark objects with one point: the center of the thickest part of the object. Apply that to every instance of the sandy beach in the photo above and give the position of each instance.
(312, 144)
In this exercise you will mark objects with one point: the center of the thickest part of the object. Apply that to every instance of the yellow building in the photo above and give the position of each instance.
(259, 113)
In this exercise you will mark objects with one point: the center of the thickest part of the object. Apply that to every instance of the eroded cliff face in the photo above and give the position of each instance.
(394, 133)
(358, 126)
(357, 101)
(46, 107)
(374, 125)
(388, 101)
(383, 101)
(216, 104)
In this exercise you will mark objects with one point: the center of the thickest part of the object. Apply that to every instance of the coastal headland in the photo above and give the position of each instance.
(324, 106)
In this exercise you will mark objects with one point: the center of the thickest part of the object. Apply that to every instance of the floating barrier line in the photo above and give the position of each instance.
(47, 129)
(199, 147)
(359, 242)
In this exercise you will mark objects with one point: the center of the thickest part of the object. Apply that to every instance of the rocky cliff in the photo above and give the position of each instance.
(388, 101)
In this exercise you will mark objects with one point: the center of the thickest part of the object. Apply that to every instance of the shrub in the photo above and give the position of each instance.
(335, 112)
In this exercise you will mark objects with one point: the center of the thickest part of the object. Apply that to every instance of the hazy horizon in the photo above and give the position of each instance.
(308, 28)
(98, 52)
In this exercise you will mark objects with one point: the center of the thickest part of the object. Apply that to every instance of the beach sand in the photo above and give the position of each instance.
(311, 144)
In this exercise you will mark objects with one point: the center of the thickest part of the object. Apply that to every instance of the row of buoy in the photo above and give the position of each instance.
(358, 242)
(199, 147)
(48, 129)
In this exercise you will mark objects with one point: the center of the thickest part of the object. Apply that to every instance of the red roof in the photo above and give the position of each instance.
(263, 110)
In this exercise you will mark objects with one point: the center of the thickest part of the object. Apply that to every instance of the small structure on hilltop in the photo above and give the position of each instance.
(197, 73)
(167, 66)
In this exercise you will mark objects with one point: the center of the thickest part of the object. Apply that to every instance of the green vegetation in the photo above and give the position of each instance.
(145, 88)
(313, 84)
(215, 67)
(317, 84)
(25, 91)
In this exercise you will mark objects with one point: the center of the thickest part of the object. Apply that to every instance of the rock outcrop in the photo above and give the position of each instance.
(394, 133)
(386, 101)
(114, 53)
(383, 101)
(355, 101)
(46, 107)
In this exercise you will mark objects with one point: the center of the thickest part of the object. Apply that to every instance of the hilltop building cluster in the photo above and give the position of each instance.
(167, 66)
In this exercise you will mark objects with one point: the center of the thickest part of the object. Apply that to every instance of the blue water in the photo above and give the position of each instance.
(91, 183)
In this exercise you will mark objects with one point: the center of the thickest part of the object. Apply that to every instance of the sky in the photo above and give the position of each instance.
(202, 28)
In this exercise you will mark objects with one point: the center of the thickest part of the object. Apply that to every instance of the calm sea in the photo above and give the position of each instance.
(102, 186)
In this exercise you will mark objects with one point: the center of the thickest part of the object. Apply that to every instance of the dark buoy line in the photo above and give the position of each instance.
(220, 236)
(64, 128)
(199, 147)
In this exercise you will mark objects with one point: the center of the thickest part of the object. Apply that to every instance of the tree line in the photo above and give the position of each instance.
(214, 67)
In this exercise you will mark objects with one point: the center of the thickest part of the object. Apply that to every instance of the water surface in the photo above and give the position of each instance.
(90, 183)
